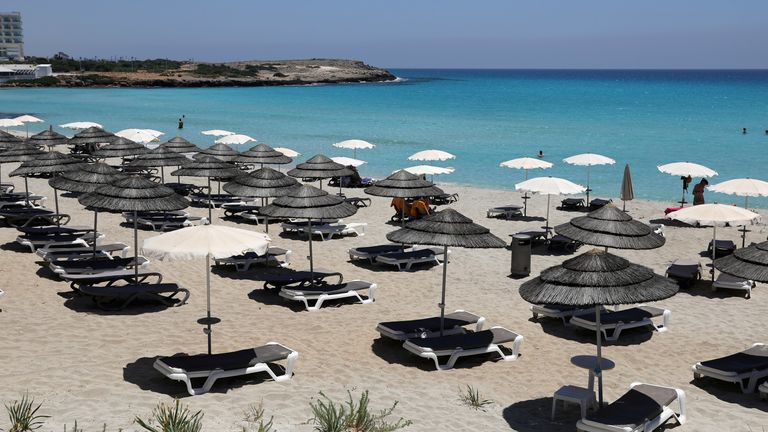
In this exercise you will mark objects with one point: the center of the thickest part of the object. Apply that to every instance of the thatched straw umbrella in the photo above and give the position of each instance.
(180, 145)
(219, 151)
(748, 263)
(262, 183)
(264, 155)
(593, 279)
(610, 227)
(446, 228)
(403, 184)
(90, 139)
(48, 138)
(319, 167)
(84, 180)
(160, 157)
(121, 147)
(308, 202)
(209, 167)
(7, 139)
(133, 194)
(46, 165)
(19, 153)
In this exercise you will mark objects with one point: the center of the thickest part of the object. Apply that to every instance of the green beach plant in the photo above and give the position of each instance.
(23, 414)
(353, 416)
(172, 418)
(470, 397)
(254, 419)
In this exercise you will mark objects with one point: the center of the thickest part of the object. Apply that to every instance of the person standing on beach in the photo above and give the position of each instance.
(181, 123)
(698, 192)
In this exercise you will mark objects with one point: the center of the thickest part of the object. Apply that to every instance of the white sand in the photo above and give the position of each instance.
(96, 367)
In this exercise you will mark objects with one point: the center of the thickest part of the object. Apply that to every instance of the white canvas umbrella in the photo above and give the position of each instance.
(26, 118)
(81, 125)
(549, 186)
(745, 187)
(348, 161)
(217, 132)
(431, 155)
(9, 122)
(141, 136)
(428, 170)
(205, 241)
(715, 215)
(588, 160)
(235, 139)
(354, 144)
(288, 152)
(526, 163)
(685, 169)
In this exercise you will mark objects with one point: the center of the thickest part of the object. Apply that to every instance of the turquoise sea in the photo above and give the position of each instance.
(645, 118)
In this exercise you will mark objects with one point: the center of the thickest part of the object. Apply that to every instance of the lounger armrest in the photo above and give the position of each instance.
(292, 358)
(516, 344)
(480, 319)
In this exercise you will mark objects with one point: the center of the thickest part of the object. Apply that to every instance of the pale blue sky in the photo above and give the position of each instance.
(415, 33)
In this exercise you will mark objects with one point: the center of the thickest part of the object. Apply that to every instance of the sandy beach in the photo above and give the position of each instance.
(96, 367)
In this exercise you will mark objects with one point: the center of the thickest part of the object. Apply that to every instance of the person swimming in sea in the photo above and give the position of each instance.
(744, 131)
(541, 154)
(181, 124)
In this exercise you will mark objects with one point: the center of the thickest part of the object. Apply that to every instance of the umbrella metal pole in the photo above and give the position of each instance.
(546, 227)
(26, 189)
(714, 249)
(588, 189)
(311, 262)
(210, 203)
(265, 201)
(135, 246)
(442, 296)
(208, 298)
(744, 228)
(598, 366)
(56, 203)
(95, 225)
(162, 174)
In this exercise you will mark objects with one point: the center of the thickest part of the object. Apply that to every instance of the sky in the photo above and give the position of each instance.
(409, 33)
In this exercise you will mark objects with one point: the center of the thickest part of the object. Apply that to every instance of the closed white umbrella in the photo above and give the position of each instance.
(346, 161)
(431, 155)
(685, 169)
(745, 187)
(141, 136)
(715, 215)
(354, 144)
(288, 152)
(549, 186)
(26, 118)
(205, 241)
(81, 125)
(526, 163)
(588, 160)
(217, 132)
(235, 139)
(428, 170)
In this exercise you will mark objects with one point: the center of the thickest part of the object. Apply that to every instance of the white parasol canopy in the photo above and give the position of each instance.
(428, 170)
(715, 215)
(745, 187)
(346, 161)
(687, 169)
(9, 122)
(217, 132)
(589, 159)
(81, 125)
(354, 144)
(26, 118)
(205, 241)
(288, 152)
(431, 155)
(549, 186)
(235, 139)
(526, 163)
(141, 136)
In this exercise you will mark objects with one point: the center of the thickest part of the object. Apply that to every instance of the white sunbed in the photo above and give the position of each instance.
(53, 252)
(453, 323)
(405, 260)
(507, 211)
(213, 367)
(65, 268)
(645, 407)
(559, 312)
(322, 292)
(460, 345)
(21, 200)
(33, 242)
(726, 281)
(618, 321)
(746, 368)
(244, 261)
(327, 231)
(371, 252)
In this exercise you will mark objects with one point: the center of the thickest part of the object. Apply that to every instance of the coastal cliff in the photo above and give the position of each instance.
(234, 74)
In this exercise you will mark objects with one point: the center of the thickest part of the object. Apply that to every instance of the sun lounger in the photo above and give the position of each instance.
(244, 261)
(299, 278)
(234, 209)
(163, 221)
(722, 248)
(726, 281)
(657, 229)
(185, 188)
(535, 235)
(405, 260)
(327, 231)
(572, 204)
(746, 368)
(213, 367)
(90, 266)
(59, 252)
(684, 271)
(296, 226)
(461, 345)
(320, 293)
(35, 241)
(558, 312)
(598, 203)
(7, 188)
(645, 407)
(119, 297)
(506, 212)
(29, 216)
(359, 202)
(215, 200)
(55, 229)
(561, 242)
(111, 277)
(444, 199)
(371, 252)
(20, 199)
(430, 327)
(618, 321)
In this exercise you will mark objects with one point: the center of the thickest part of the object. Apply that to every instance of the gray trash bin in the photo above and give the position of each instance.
(521, 255)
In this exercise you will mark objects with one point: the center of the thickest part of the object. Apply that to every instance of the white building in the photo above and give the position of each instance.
(11, 36)
(10, 72)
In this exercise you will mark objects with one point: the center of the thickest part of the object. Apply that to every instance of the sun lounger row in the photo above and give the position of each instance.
(612, 323)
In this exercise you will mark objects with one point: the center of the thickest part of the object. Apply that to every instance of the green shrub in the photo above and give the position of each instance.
(23, 415)
(471, 398)
(174, 418)
(352, 416)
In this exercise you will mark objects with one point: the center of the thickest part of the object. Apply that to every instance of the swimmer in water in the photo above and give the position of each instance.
(541, 154)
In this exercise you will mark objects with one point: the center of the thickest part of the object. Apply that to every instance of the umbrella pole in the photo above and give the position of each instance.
(525, 197)
(26, 189)
(56, 202)
(714, 249)
(744, 228)
(210, 203)
(442, 296)
(598, 368)
(311, 262)
(162, 174)
(95, 225)
(546, 227)
(588, 189)
(135, 246)
(208, 298)
(265, 201)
